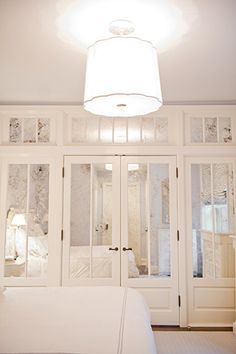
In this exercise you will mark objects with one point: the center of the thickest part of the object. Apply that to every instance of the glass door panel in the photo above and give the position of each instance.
(93, 200)
(80, 221)
(149, 248)
(210, 221)
(159, 220)
(213, 220)
(148, 220)
(26, 245)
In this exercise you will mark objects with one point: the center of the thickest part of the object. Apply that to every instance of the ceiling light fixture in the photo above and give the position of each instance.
(122, 75)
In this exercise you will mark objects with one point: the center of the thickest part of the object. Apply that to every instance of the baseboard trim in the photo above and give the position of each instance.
(202, 329)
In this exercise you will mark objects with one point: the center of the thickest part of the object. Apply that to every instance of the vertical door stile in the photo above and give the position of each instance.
(213, 223)
(124, 218)
(204, 130)
(116, 215)
(27, 219)
(148, 219)
(36, 130)
(3, 211)
(66, 224)
(91, 222)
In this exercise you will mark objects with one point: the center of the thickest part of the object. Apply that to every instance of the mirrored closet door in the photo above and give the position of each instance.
(91, 248)
(27, 200)
(149, 254)
(120, 227)
(211, 223)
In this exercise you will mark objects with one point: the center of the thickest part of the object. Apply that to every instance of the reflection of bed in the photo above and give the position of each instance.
(92, 320)
(101, 262)
(37, 257)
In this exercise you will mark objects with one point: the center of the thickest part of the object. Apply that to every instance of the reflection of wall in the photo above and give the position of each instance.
(107, 213)
(196, 221)
(102, 214)
(134, 224)
(20, 176)
(17, 187)
(137, 213)
(140, 217)
(218, 256)
(80, 204)
(159, 174)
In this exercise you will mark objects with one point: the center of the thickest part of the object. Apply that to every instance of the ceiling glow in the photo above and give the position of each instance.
(122, 73)
(162, 22)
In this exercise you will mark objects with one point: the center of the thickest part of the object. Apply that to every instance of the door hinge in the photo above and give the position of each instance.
(63, 172)
(62, 235)
(179, 300)
(177, 172)
(177, 235)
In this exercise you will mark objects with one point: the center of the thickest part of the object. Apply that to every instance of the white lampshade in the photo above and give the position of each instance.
(18, 220)
(122, 78)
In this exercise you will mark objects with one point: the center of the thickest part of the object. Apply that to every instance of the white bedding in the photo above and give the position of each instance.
(81, 320)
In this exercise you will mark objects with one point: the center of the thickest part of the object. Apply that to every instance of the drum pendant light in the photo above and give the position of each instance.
(122, 75)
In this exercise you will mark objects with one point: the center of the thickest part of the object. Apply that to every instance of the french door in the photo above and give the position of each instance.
(91, 247)
(210, 201)
(120, 227)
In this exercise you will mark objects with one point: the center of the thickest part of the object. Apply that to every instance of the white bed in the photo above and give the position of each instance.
(81, 320)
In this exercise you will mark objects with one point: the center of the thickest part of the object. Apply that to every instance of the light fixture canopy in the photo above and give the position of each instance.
(122, 76)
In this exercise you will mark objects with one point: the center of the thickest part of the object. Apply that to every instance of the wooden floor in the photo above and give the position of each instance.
(195, 342)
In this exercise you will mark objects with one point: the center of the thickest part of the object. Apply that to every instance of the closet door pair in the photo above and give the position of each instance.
(120, 227)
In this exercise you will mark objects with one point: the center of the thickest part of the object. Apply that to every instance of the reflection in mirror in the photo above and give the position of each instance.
(91, 221)
(26, 247)
(38, 221)
(80, 221)
(148, 220)
(213, 220)
(102, 221)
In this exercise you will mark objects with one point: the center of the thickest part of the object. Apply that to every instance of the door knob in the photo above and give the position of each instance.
(113, 249)
(127, 249)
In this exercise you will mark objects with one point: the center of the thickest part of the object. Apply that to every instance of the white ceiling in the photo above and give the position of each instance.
(38, 67)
